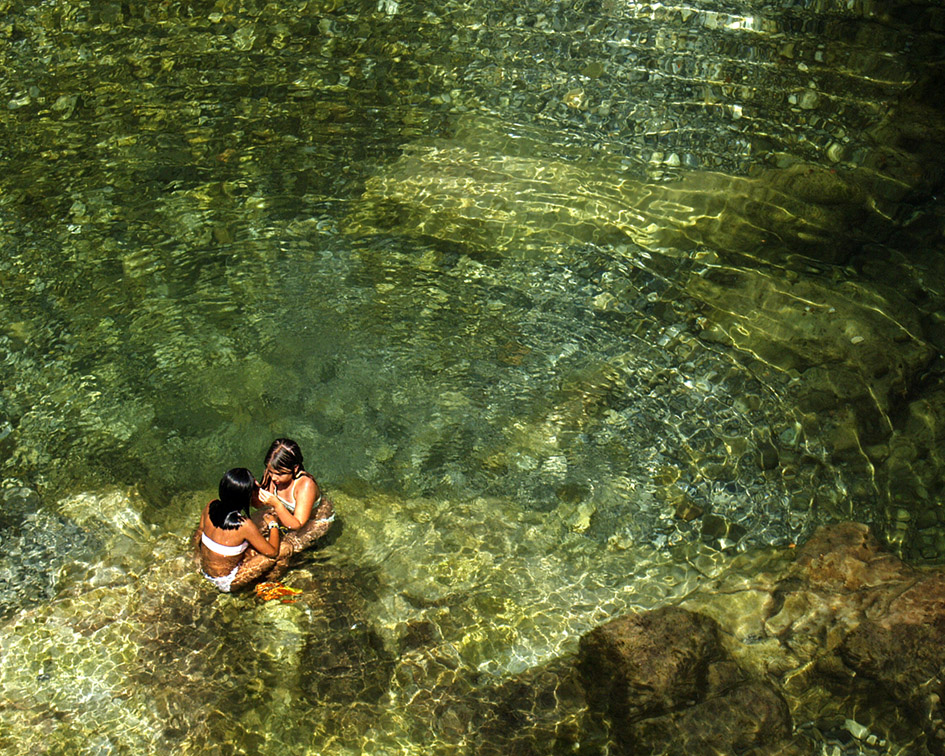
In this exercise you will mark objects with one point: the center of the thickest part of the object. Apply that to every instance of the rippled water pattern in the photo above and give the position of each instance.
(472, 257)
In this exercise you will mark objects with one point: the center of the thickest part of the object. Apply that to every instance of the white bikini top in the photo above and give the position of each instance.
(219, 548)
(290, 505)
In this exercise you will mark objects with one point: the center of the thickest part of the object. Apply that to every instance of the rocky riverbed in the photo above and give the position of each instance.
(461, 623)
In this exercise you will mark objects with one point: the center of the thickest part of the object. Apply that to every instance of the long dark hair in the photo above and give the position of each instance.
(236, 491)
(283, 456)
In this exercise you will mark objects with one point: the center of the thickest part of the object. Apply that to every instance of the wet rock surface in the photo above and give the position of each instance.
(847, 629)
(666, 685)
(658, 662)
(36, 546)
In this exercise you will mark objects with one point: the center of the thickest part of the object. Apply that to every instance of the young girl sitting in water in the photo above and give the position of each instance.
(233, 550)
(292, 495)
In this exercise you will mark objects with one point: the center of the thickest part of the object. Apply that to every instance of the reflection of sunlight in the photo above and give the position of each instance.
(705, 18)
(743, 22)
(470, 191)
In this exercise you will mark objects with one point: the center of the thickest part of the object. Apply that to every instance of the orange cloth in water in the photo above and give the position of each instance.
(273, 591)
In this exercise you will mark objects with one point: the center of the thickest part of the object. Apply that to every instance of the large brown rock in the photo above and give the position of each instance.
(648, 664)
(845, 630)
(880, 621)
(664, 684)
(838, 630)
(749, 716)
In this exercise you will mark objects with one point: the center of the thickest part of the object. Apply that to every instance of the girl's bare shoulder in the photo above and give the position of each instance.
(306, 483)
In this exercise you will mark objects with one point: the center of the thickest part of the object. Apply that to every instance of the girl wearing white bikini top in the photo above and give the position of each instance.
(231, 547)
(294, 495)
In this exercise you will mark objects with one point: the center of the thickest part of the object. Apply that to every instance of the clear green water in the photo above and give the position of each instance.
(569, 304)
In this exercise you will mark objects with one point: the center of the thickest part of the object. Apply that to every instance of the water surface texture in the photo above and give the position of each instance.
(569, 303)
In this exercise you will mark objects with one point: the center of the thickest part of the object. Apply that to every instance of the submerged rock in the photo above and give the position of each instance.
(856, 351)
(39, 547)
(748, 717)
(658, 661)
(458, 627)
(864, 390)
(666, 684)
(848, 342)
(486, 191)
(845, 630)
(915, 480)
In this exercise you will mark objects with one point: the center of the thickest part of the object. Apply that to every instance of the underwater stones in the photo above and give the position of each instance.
(857, 353)
(66, 664)
(666, 683)
(416, 634)
(638, 666)
(909, 159)
(882, 620)
(686, 510)
(186, 640)
(808, 99)
(39, 548)
(768, 455)
(851, 345)
(835, 629)
(845, 627)
(721, 531)
(437, 687)
(164, 663)
(482, 192)
(910, 463)
(341, 657)
(747, 716)
(912, 620)
(845, 557)
(533, 713)
(808, 323)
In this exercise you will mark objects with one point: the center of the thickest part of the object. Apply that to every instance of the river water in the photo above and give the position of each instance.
(567, 303)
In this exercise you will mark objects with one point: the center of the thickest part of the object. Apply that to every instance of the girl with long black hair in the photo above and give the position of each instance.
(232, 548)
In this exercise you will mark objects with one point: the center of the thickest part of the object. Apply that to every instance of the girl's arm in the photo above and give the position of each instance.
(306, 492)
(268, 544)
(199, 531)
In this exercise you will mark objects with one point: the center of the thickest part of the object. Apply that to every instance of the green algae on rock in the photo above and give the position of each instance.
(484, 190)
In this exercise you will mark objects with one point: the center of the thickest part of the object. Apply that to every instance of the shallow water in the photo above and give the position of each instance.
(570, 304)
